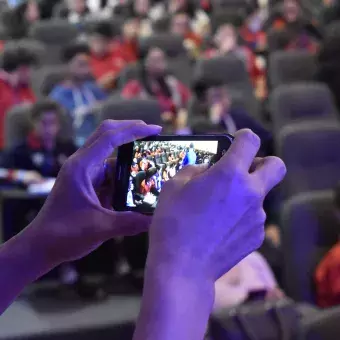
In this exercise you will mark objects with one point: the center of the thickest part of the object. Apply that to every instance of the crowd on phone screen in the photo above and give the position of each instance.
(96, 60)
(154, 163)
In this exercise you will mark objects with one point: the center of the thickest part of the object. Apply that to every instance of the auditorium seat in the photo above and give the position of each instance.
(287, 67)
(55, 34)
(180, 67)
(301, 101)
(17, 125)
(309, 230)
(46, 77)
(310, 152)
(172, 45)
(230, 71)
(323, 325)
(147, 110)
(234, 16)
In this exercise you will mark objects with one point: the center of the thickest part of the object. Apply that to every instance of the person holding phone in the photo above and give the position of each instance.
(185, 257)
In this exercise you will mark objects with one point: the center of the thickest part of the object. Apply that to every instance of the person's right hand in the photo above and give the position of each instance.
(207, 220)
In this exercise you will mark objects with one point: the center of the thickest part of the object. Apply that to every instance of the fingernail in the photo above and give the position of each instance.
(155, 127)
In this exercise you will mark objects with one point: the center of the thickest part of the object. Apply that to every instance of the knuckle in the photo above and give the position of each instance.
(250, 137)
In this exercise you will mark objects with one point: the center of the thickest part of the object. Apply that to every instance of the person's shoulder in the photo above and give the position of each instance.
(59, 90)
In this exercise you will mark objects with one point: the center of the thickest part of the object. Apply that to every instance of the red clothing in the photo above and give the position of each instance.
(194, 38)
(254, 40)
(250, 58)
(128, 49)
(179, 99)
(111, 63)
(145, 188)
(9, 97)
(327, 279)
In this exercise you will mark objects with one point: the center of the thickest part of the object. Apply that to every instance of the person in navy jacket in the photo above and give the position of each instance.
(42, 151)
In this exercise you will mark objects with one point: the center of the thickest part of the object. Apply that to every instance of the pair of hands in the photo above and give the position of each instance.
(206, 220)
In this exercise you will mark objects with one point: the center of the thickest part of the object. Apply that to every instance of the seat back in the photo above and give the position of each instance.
(309, 230)
(172, 45)
(301, 101)
(287, 67)
(309, 150)
(147, 110)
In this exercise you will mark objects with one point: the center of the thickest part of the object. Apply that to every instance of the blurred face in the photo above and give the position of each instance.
(155, 62)
(78, 6)
(291, 10)
(47, 127)
(219, 101)
(177, 5)
(142, 7)
(180, 24)
(80, 67)
(99, 45)
(130, 29)
(32, 13)
(225, 35)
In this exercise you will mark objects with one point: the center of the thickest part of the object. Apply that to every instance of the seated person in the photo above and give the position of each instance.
(180, 25)
(127, 44)
(75, 11)
(226, 43)
(292, 20)
(251, 279)
(15, 79)
(326, 277)
(155, 82)
(106, 61)
(219, 111)
(252, 32)
(42, 151)
(21, 18)
(78, 94)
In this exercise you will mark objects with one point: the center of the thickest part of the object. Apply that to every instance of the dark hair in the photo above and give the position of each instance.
(72, 50)
(191, 145)
(15, 56)
(43, 106)
(103, 29)
(165, 89)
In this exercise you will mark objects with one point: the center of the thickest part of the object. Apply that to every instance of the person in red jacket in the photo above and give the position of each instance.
(105, 59)
(15, 88)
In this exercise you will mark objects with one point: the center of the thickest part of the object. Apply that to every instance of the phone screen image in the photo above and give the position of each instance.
(156, 162)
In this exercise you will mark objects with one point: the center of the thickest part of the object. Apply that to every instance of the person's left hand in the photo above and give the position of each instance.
(73, 222)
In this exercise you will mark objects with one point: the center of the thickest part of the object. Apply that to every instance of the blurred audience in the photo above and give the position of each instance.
(79, 94)
(327, 279)
(15, 79)
(226, 43)
(21, 18)
(74, 11)
(42, 151)
(156, 82)
(106, 60)
(180, 25)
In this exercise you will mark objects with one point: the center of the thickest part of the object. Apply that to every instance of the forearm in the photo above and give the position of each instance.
(175, 305)
(21, 263)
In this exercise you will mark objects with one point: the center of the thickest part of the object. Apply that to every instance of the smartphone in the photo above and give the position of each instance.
(145, 165)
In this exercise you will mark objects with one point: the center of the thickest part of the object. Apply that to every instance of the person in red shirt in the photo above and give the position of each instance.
(127, 44)
(106, 61)
(15, 80)
(180, 25)
(155, 82)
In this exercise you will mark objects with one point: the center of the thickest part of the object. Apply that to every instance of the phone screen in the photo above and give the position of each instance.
(156, 162)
